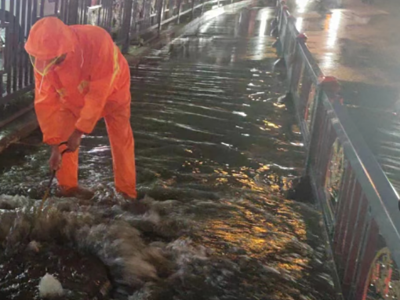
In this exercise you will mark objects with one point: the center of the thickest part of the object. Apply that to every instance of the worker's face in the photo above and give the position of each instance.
(43, 67)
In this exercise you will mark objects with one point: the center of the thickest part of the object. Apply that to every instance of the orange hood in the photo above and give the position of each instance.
(50, 38)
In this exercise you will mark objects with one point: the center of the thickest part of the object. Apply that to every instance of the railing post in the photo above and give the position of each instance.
(72, 12)
(294, 61)
(202, 7)
(126, 25)
(179, 4)
(331, 87)
(135, 17)
(282, 32)
(171, 8)
(193, 9)
(159, 15)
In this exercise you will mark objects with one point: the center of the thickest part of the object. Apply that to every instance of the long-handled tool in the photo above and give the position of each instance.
(53, 174)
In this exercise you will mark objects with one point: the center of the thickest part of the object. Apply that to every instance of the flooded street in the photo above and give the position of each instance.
(215, 152)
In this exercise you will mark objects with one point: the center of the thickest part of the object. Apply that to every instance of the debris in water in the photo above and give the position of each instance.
(50, 287)
(33, 246)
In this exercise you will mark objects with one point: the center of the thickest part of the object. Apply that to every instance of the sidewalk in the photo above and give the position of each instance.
(357, 43)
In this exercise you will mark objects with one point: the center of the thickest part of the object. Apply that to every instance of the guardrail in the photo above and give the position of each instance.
(124, 19)
(360, 206)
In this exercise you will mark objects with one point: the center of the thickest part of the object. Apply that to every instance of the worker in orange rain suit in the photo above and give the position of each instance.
(81, 76)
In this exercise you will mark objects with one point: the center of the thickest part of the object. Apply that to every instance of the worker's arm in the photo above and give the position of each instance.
(103, 71)
(47, 107)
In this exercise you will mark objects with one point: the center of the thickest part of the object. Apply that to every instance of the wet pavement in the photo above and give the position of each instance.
(351, 40)
(373, 109)
(216, 154)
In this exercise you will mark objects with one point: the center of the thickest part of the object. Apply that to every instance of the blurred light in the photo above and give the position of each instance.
(333, 24)
(301, 5)
(240, 113)
(263, 16)
(299, 24)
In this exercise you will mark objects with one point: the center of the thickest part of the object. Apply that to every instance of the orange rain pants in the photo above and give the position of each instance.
(93, 82)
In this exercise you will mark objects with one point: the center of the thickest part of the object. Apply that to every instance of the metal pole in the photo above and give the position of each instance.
(179, 11)
(159, 15)
(126, 25)
(202, 7)
(193, 9)
(72, 12)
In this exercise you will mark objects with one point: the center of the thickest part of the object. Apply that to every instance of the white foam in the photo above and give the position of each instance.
(50, 287)
(152, 217)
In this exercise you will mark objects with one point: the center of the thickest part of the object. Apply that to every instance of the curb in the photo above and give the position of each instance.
(18, 129)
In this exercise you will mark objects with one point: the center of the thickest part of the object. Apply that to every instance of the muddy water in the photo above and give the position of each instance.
(215, 154)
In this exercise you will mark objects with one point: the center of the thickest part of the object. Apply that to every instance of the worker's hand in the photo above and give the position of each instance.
(55, 159)
(74, 140)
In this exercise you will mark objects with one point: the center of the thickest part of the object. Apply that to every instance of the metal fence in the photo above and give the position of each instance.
(124, 19)
(360, 205)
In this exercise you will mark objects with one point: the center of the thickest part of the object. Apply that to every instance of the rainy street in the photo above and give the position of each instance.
(216, 155)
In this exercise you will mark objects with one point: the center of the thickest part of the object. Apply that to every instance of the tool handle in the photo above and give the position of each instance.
(53, 175)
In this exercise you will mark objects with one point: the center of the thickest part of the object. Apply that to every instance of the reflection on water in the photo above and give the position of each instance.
(332, 24)
(216, 152)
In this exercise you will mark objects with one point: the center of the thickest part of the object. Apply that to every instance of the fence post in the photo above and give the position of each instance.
(202, 7)
(179, 3)
(284, 24)
(134, 14)
(331, 87)
(126, 25)
(72, 12)
(159, 15)
(193, 9)
(295, 62)
(283, 10)
(171, 8)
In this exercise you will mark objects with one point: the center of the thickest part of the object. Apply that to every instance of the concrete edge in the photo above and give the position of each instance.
(18, 129)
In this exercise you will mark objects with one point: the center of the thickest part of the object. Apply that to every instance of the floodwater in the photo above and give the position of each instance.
(216, 153)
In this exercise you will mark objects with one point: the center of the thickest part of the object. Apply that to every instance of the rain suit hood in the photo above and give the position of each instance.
(50, 38)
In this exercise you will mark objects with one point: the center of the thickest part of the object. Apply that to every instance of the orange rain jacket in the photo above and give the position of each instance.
(91, 81)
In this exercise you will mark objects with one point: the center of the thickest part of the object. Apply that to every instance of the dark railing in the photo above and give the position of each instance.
(359, 203)
(126, 20)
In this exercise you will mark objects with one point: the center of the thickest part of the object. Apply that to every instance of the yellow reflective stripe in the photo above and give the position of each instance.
(116, 64)
(61, 92)
(82, 86)
(46, 69)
